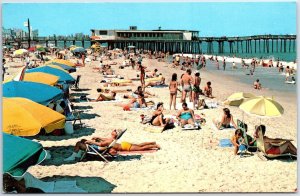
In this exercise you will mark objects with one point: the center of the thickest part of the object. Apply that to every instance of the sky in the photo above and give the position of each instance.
(210, 18)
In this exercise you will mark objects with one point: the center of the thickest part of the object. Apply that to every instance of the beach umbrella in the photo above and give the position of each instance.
(37, 92)
(41, 49)
(237, 98)
(62, 61)
(41, 78)
(23, 117)
(63, 66)
(31, 49)
(63, 76)
(20, 52)
(19, 154)
(262, 106)
(39, 46)
(56, 67)
(78, 49)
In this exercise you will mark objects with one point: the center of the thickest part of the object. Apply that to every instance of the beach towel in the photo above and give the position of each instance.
(191, 127)
(110, 76)
(160, 86)
(136, 152)
(222, 129)
(146, 108)
(225, 143)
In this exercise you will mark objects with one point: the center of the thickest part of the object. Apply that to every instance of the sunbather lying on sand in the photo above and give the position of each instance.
(135, 102)
(139, 90)
(277, 145)
(226, 120)
(158, 83)
(98, 142)
(186, 115)
(109, 97)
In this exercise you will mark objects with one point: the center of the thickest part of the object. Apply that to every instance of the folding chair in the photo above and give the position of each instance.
(72, 115)
(244, 127)
(76, 84)
(102, 152)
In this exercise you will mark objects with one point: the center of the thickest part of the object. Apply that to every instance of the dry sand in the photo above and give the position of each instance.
(189, 161)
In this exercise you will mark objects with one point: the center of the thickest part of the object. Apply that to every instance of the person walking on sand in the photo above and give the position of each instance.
(186, 82)
(142, 75)
(173, 87)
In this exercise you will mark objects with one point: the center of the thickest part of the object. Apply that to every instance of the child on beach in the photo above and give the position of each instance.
(257, 85)
(237, 140)
(173, 87)
(208, 90)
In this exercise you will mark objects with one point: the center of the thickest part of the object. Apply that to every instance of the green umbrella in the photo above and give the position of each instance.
(19, 154)
(41, 49)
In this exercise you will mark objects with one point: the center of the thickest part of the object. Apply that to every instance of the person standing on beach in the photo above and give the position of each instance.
(142, 75)
(186, 82)
(82, 58)
(196, 89)
(287, 73)
(217, 64)
(224, 64)
(173, 87)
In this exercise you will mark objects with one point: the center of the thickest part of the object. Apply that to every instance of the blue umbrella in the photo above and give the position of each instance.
(37, 92)
(63, 76)
(19, 154)
(65, 67)
(79, 49)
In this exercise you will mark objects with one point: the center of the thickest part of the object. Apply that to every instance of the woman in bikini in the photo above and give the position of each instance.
(226, 120)
(158, 117)
(186, 115)
(173, 86)
(102, 97)
(274, 146)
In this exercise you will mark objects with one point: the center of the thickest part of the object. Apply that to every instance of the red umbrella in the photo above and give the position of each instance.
(31, 49)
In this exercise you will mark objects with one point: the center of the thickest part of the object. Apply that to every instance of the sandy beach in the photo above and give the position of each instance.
(188, 161)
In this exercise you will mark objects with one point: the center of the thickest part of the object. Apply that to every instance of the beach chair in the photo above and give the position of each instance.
(261, 147)
(103, 151)
(244, 127)
(71, 114)
(76, 84)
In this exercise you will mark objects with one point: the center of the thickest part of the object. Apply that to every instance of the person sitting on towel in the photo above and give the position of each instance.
(98, 142)
(227, 118)
(158, 117)
(277, 145)
(186, 115)
(237, 140)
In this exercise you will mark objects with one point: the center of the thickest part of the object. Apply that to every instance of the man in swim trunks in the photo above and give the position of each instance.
(208, 90)
(186, 82)
(196, 88)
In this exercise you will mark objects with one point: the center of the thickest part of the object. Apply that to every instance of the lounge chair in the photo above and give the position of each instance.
(72, 115)
(244, 127)
(76, 84)
(103, 151)
(261, 147)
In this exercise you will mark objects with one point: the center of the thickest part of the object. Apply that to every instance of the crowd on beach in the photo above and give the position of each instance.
(187, 88)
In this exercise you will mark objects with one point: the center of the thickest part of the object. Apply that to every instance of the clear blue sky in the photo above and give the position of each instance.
(211, 19)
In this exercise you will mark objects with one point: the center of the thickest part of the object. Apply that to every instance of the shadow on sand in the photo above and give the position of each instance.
(81, 89)
(89, 184)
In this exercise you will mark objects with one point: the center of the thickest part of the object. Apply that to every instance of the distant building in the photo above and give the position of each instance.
(35, 33)
(142, 35)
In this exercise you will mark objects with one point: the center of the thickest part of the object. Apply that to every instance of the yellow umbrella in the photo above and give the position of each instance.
(39, 46)
(62, 61)
(237, 98)
(20, 52)
(262, 106)
(23, 117)
(56, 67)
(41, 77)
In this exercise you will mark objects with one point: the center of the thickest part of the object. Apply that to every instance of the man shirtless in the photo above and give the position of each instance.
(208, 90)
(196, 91)
(186, 82)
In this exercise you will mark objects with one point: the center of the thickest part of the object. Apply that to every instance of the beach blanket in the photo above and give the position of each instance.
(191, 127)
(136, 152)
(225, 143)
(146, 108)
(160, 86)
(52, 187)
(222, 129)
